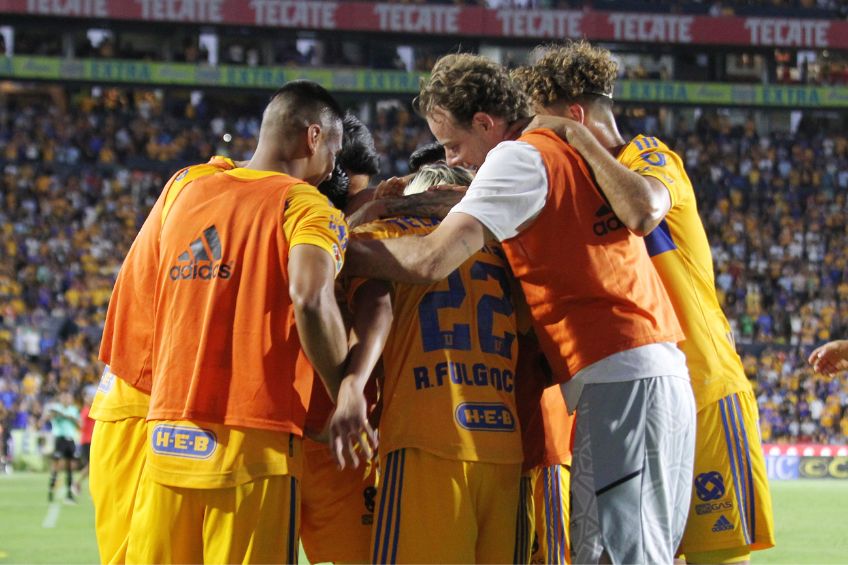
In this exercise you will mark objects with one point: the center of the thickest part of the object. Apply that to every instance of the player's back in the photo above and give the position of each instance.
(450, 358)
(681, 254)
(225, 347)
(128, 330)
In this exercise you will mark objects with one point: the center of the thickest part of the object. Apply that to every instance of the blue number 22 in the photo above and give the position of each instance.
(459, 336)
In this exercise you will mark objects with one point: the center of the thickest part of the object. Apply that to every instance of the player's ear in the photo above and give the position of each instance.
(313, 134)
(483, 121)
(576, 113)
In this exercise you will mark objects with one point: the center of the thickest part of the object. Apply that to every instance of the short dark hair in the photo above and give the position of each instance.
(308, 99)
(358, 155)
(335, 188)
(426, 155)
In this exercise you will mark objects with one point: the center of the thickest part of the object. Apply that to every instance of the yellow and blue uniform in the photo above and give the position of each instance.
(200, 475)
(122, 401)
(449, 435)
(337, 507)
(731, 505)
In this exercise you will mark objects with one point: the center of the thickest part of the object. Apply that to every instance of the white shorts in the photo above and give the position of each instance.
(634, 447)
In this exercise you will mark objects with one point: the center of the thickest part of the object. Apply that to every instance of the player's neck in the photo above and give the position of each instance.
(515, 129)
(264, 161)
(606, 132)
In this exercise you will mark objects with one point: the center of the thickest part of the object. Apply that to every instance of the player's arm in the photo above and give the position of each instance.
(419, 259)
(434, 204)
(372, 320)
(319, 322)
(640, 202)
(509, 190)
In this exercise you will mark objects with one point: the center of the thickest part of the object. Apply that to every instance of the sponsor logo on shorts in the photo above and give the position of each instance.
(722, 524)
(180, 441)
(710, 507)
(107, 381)
(485, 416)
(709, 486)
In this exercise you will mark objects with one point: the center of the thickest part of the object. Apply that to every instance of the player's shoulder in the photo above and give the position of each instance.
(306, 197)
(642, 144)
(648, 149)
(192, 172)
(400, 226)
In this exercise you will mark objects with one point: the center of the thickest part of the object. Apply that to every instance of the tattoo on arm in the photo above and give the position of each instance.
(434, 204)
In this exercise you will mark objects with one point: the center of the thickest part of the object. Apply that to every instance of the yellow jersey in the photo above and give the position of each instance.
(450, 358)
(681, 254)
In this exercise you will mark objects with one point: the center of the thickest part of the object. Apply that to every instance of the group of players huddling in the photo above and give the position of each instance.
(536, 338)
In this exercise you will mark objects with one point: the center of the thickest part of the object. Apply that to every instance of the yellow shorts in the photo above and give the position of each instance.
(336, 508)
(436, 510)
(254, 522)
(731, 503)
(117, 458)
(542, 529)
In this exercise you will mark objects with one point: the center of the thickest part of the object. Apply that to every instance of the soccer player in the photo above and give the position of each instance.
(244, 289)
(122, 400)
(337, 506)
(64, 425)
(599, 309)
(650, 192)
(449, 438)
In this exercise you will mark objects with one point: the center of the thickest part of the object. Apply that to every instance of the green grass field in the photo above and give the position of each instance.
(810, 518)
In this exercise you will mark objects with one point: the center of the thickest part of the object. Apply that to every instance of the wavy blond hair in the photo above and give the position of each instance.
(435, 174)
(465, 84)
(569, 72)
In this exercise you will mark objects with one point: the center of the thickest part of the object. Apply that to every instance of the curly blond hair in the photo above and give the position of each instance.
(570, 72)
(465, 84)
(532, 83)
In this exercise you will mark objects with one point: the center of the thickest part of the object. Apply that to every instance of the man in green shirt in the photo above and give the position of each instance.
(64, 419)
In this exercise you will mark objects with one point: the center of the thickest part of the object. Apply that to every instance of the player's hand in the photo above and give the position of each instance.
(350, 430)
(830, 358)
(565, 128)
(392, 188)
(368, 212)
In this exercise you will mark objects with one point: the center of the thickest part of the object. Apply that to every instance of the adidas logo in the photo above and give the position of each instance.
(195, 262)
(607, 225)
(722, 524)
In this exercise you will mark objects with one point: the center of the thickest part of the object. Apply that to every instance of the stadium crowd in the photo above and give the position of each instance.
(76, 185)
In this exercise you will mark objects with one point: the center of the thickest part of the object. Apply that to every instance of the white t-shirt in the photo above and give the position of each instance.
(509, 190)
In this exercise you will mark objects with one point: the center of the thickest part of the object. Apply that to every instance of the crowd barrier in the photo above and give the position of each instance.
(806, 461)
